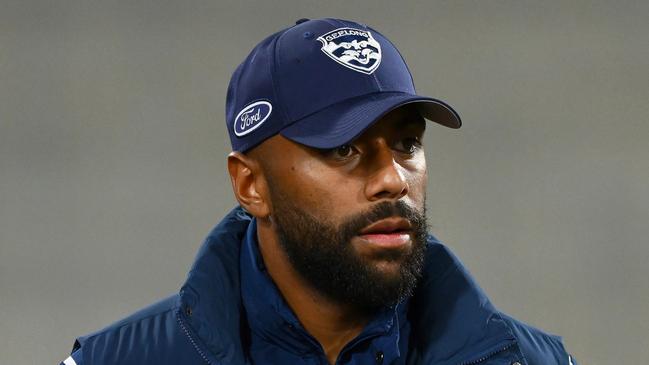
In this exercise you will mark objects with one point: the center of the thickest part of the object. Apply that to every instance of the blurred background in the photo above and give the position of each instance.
(113, 145)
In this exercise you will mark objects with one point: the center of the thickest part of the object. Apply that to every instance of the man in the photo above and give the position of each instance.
(328, 259)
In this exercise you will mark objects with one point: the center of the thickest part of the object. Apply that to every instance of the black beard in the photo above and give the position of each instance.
(322, 253)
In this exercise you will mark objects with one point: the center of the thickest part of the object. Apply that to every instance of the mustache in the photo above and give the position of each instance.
(354, 224)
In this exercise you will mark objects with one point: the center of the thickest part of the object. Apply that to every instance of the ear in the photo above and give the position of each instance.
(248, 184)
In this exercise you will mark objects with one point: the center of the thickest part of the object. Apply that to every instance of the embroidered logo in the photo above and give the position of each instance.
(251, 117)
(353, 48)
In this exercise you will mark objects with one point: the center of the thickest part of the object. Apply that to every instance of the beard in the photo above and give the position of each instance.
(322, 253)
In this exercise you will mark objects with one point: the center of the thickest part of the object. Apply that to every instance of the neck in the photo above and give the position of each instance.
(332, 324)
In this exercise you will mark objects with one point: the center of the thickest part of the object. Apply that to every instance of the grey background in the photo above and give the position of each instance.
(113, 144)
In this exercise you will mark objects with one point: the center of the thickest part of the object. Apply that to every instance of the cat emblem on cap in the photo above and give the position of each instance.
(353, 48)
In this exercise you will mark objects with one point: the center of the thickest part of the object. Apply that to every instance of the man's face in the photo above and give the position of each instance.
(351, 219)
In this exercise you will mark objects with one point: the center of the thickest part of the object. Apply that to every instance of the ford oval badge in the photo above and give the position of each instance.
(251, 117)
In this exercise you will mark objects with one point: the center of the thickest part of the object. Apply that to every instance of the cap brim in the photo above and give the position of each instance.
(343, 122)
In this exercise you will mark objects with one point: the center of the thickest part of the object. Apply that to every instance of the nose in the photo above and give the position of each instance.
(386, 178)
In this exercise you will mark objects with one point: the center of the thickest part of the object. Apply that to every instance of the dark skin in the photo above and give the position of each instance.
(385, 163)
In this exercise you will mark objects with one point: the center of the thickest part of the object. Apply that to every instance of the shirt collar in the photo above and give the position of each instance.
(270, 317)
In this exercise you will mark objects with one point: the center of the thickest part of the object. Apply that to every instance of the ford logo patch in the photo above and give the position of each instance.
(251, 117)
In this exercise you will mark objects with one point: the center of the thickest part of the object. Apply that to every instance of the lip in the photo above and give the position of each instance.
(387, 233)
(387, 226)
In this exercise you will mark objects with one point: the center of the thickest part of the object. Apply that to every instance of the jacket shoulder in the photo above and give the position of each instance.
(150, 335)
(537, 346)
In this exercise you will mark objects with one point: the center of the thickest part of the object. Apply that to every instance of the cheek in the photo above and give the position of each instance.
(418, 188)
(417, 175)
(319, 190)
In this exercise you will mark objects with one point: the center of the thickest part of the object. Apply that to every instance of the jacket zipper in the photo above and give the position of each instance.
(191, 339)
(485, 357)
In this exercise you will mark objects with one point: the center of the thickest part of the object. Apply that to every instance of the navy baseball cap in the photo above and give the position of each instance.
(321, 83)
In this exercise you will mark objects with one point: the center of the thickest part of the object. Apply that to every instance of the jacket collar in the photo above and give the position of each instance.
(452, 319)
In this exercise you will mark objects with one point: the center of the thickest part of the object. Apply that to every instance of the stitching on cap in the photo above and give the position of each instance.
(412, 81)
(275, 61)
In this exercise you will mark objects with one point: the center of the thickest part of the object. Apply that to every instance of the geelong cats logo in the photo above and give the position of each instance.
(353, 48)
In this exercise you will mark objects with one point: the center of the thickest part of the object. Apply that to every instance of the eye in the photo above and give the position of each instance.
(342, 152)
(409, 145)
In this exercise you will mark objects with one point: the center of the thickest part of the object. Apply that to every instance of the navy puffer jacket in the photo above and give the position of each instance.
(453, 322)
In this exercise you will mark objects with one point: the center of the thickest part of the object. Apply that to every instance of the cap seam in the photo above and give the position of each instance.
(373, 74)
(412, 79)
(273, 68)
(238, 72)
